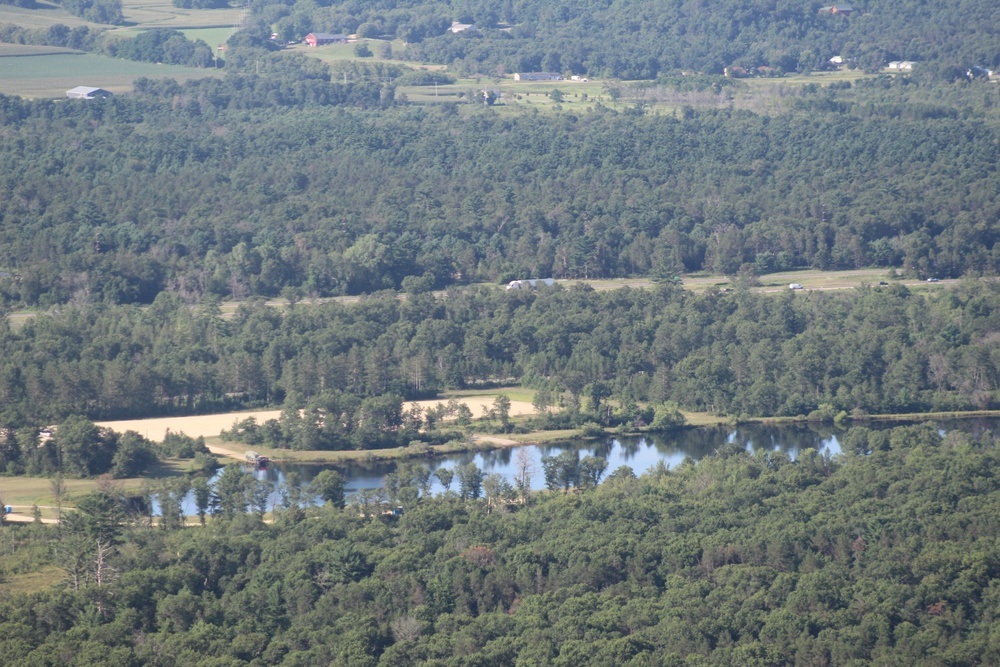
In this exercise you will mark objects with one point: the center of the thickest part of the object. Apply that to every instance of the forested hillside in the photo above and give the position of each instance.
(889, 557)
(877, 349)
(639, 40)
(255, 184)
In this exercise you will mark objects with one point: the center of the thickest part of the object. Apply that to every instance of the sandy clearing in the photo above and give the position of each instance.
(24, 518)
(210, 425)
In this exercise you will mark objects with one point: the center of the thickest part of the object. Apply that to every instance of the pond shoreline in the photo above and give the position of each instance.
(486, 442)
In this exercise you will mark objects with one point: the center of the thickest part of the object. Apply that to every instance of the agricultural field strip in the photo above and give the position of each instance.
(777, 282)
(211, 425)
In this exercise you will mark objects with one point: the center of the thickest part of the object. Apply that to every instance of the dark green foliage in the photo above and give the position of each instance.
(225, 188)
(739, 559)
(641, 39)
(875, 349)
(163, 46)
(329, 485)
(96, 11)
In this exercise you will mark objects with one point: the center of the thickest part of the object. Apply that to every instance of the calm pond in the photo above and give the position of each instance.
(638, 452)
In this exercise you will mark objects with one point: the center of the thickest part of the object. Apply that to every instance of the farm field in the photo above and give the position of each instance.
(694, 282)
(163, 14)
(43, 15)
(214, 37)
(51, 72)
(211, 425)
(23, 492)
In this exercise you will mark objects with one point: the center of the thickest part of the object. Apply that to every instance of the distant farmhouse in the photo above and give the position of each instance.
(901, 65)
(87, 93)
(840, 10)
(324, 38)
(457, 27)
(537, 76)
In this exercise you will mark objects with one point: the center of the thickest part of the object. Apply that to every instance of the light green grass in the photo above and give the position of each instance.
(52, 75)
(26, 50)
(514, 95)
(33, 582)
(332, 52)
(513, 393)
(23, 492)
(536, 437)
(214, 37)
(44, 15)
(819, 78)
(138, 14)
(163, 14)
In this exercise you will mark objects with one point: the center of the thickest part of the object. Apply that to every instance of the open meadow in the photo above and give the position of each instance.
(147, 14)
(42, 15)
(42, 71)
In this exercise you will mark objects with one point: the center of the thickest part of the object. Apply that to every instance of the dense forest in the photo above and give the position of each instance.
(885, 554)
(872, 350)
(251, 185)
(639, 40)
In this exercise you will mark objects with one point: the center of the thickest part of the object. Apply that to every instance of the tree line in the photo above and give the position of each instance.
(597, 355)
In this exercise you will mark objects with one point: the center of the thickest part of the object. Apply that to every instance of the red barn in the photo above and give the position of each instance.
(321, 38)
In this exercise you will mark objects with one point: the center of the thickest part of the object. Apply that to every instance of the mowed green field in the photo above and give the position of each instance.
(139, 14)
(163, 14)
(51, 72)
(514, 94)
(44, 15)
(214, 37)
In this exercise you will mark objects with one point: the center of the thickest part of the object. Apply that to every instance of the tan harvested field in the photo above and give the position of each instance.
(211, 425)
(199, 425)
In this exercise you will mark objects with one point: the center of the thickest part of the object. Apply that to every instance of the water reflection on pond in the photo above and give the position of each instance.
(638, 452)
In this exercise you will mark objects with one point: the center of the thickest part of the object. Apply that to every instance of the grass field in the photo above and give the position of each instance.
(32, 582)
(52, 74)
(163, 14)
(45, 14)
(214, 37)
(23, 492)
(695, 282)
